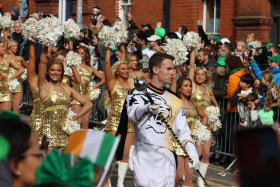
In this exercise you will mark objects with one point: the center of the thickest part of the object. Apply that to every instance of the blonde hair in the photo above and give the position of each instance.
(221, 70)
(116, 66)
(128, 57)
(252, 35)
(10, 43)
(273, 91)
(208, 76)
(242, 43)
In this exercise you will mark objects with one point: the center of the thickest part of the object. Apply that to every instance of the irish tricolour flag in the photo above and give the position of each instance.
(99, 146)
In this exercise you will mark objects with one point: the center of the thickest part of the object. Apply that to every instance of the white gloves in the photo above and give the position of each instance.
(195, 164)
(154, 109)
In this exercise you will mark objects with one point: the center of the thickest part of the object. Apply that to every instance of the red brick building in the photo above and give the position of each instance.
(233, 19)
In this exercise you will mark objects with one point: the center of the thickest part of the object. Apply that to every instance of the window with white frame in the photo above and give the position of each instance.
(125, 6)
(211, 16)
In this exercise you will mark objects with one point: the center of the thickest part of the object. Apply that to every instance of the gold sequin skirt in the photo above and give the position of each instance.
(36, 118)
(113, 123)
(5, 94)
(52, 126)
(177, 148)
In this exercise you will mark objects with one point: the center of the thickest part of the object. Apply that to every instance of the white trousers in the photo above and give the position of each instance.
(153, 166)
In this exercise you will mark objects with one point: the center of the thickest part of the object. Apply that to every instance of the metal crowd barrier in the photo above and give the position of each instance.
(224, 137)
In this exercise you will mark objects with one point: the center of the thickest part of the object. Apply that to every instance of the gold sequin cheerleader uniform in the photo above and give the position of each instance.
(13, 71)
(201, 98)
(36, 117)
(118, 96)
(191, 117)
(56, 106)
(5, 94)
(83, 88)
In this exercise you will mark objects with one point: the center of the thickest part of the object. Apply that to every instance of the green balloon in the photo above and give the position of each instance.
(160, 32)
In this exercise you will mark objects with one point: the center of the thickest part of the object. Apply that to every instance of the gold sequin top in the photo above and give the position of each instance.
(13, 71)
(201, 98)
(36, 117)
(66, 80)
(5, 94)
(56, 106)
(191, 116)
(83, 88)
(118, 96)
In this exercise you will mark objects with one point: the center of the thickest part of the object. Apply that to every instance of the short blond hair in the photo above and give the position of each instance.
(116, 66)
(242, 43)
(208, 76)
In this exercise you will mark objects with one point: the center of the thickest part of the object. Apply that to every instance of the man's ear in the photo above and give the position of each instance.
(155, 70)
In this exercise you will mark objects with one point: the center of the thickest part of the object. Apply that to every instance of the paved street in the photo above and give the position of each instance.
(212, 177)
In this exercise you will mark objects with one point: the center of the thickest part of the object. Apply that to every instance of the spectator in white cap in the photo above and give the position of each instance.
(97, 19)
(35, 16)
(155, 43)
(224, 40)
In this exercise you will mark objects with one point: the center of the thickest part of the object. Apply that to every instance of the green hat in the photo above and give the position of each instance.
(221, 61)
(216, 38)
(67, 37)
(9, 114)
(114, 49)
(160, 32)
(276, 58)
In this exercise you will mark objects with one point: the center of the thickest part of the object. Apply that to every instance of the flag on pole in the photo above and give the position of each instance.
(98, 146)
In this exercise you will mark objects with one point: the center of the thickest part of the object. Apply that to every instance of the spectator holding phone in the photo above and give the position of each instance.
(274, 67)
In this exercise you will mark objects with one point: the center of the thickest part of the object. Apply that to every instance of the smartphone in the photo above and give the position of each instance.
(258, 157)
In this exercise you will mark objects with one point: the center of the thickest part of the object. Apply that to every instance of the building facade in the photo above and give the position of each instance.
(233, 19)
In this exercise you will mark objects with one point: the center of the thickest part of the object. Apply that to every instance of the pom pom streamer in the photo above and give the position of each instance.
(71, 28)
(24, 75)
(30, 29)
(6, 22)
(13, 84)
(50, 30)
(94, 94)
(113, 36)
(73, 59)
(176, 48)
(192, 40)
(70, 125)
(200, 134)
(213, 114)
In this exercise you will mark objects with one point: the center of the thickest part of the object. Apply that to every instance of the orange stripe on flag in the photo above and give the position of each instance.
(76, 142)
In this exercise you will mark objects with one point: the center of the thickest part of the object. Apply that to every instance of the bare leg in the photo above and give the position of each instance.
(128, 143)
(198, 149)
(206, 150)
(85, 120)
(179, 171)
(16, 101)
(188, 173)
(76, 109)
(6, 106)
(113, 133)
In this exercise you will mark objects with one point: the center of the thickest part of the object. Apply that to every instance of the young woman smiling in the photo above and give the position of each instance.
(193, 112)
(5, 94)
(56, 99)
(12, 47)
(86, 72)
(203, 97)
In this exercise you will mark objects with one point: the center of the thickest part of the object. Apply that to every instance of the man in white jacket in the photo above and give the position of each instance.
(153, 157)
